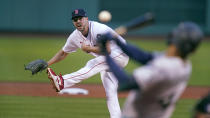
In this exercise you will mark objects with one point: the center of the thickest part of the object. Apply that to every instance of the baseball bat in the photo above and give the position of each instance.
(139, 22)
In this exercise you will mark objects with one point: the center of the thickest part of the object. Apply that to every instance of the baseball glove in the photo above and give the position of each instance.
(36, 66)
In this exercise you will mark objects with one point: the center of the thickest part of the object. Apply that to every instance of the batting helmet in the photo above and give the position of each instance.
(203, 105)
(186, 37)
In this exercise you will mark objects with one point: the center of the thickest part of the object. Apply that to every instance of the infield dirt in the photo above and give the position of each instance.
(95, 90)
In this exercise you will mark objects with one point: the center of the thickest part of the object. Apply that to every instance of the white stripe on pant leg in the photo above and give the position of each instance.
(92, 67)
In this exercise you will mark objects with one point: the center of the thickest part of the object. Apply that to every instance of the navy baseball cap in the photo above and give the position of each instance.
(78, 12)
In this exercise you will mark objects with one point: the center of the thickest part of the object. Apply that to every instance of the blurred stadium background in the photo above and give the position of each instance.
(32, 29)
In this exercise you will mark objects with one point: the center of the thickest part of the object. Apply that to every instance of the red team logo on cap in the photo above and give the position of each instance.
(76, 11)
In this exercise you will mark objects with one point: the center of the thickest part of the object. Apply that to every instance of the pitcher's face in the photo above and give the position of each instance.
(81, 23)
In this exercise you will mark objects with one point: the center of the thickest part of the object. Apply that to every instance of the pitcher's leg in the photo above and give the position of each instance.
(110, 85)
(92, 67)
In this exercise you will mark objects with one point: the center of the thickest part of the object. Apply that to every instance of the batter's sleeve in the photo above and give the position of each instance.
(125, 81)
(135, 53)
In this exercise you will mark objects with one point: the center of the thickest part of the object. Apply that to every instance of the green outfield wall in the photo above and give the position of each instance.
(55, 15)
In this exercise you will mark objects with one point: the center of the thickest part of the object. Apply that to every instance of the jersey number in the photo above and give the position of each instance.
(166, 101)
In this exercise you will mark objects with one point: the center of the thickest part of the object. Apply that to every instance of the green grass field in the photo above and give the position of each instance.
(17, 51)
(52, 107)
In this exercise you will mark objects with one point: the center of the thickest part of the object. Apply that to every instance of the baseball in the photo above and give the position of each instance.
(104, 16)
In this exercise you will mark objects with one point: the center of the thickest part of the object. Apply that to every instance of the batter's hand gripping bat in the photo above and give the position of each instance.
(138, 22)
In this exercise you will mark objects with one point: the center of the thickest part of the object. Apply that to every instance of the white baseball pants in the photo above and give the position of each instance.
(93, 67)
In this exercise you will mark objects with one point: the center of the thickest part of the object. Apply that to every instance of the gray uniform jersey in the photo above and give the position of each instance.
(162, 82)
